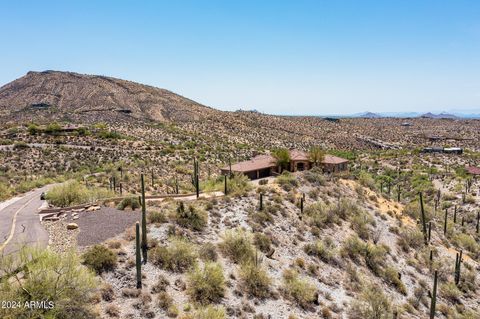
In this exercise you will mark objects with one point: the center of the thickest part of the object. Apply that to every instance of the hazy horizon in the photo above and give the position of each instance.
(307, 57)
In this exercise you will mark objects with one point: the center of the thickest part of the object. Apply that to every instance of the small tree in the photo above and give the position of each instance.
(316, 155)
(282, 156)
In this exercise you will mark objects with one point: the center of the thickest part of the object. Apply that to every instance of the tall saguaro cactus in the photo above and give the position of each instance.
(434, 295)
(445, 222)
(144, 223)
(458, 264)
(225, 191)
(424, 222)
(478, 221)
(261, 202)
(138, 260)
(302, 199)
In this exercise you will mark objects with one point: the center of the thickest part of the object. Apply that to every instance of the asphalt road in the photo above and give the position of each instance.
(20, 223)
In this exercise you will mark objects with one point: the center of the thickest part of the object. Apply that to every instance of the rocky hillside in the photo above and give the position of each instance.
(68, 95)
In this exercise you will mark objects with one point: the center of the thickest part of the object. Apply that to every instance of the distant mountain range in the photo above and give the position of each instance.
(441, 115)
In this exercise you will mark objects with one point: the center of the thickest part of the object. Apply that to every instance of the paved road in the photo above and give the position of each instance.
(20, 223)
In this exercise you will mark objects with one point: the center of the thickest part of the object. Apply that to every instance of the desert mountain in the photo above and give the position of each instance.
(68, 95)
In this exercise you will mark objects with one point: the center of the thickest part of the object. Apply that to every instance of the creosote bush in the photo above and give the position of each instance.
(298, 289)
(178, 256)
(100, 259)
(208, 312)
(192, 217)
(372, 304)
(130, 201)
(156, 217)
(206, 284)
(59, 278)
(237, 245)
(74, 193)
(255, 280)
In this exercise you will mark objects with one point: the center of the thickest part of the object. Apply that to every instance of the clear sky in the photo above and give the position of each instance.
(282, 57)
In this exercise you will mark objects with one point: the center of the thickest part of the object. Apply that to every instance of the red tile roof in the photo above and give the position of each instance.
(256, 163)
(473, 170)
(296, 155)
(330, 159)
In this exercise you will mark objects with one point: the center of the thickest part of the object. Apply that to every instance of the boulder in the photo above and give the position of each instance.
(71, 226)
(93, 208)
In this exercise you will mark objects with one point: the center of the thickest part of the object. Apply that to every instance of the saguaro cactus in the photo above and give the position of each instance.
(261, 202)
(301, 203)
(458, 264)
(478, 221)
(398, 192)
(424, 223)
(434, 296)
(445, 222)
(153, 178)
(429, 231)
(225, 191)
(176, 184)
(144, 223)
(455, 215)
(138, 260)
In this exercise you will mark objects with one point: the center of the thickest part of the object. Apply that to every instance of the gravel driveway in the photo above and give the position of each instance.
(98, 226)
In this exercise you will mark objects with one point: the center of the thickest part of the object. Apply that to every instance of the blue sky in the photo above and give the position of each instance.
(282, 57)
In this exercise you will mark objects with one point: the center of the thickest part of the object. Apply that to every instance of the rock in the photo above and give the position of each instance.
(93, 208)
(51, 219)
(75, 217)
(71, 226)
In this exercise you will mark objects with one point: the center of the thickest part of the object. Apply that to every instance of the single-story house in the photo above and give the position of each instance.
(266, 165)
(332, 164)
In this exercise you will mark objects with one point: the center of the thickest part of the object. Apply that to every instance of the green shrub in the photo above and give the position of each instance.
(450, 292)
(47, 276)
(391, 276)
(353, 247)
(208, 252)
(237, 245)
(375, 256)
(287, 180)
(298, 289)
(372, 304)
(255, 280)
(238, 185)
(209, 312)
(192, 218)
(319, 250)
(262, 242)
(156, 217)
(410, 238)
(207, 284)
(178, 256)
(74, 193)
(100, 259)
(315, 176)
(5, 191)
(130, 201)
